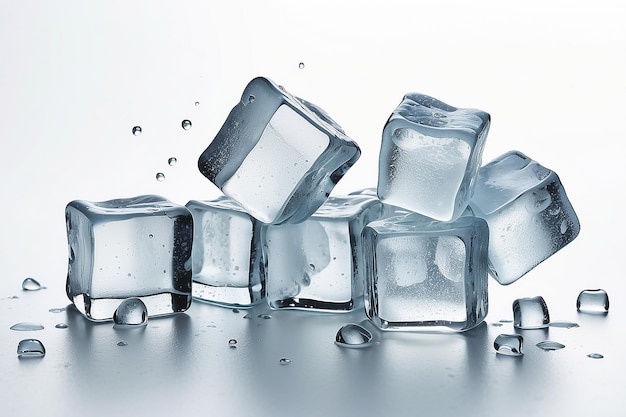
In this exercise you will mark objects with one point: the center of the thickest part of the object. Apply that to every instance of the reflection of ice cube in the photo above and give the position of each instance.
(277, 155)
(430, 155)
(529, 215)
(426, 275)
(135, 247)
(530, 313)
(317, 264)
(226, 253)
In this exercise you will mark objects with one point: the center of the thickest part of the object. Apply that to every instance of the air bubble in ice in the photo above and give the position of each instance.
(30, 348)
(131, 313)
(31, 284)
(353, 336)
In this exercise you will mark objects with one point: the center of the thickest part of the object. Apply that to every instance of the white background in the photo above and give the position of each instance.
(76, 76)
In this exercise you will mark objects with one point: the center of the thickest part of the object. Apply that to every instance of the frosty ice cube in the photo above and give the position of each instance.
(426, 275)
(430, 155)
(318, 264)
(226, 253)
(529, 215)
(277, 155)
(530, 313)
(132, 247)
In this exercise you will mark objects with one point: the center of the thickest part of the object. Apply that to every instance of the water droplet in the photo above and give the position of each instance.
(284, 361)
(497, 324)
(131, 313)
(593, 301)
(160, 176)
(353, 336)
(550, 345)
(197, 103)
(251, 98)
(301, 65)
(530, 313)
(312, 266)
(172, 161)
(232, 343)
(31, 284)
(564, 324)
(13, 297)
(30, 348)
(150, 235)
(57, 310)
(26, 327)
(509, 344)
(61, 326)
(235, 310)
(595, 356)
(122, 343)
(264, 316)
(137, 130)
(186, 124)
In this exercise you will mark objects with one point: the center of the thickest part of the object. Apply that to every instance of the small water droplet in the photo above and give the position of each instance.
(593, 301)
(186, 124)
(301, 65)
(595, 356)
(57, 310)
(122, 343)
(150, 235)
(284, 361)
(61, 326)
(27, 327)
(251, 98)
(30, 348)
(497, 324)
(31, 284)
(160, 176)
(235, 310)
(232, 343)
(509, 344)
(137, 130)
(13, 297)
(353, 336)
(564, 324)
(197, 103)
(172, 161)
(131, 313)
(550, 345)
(264, 316)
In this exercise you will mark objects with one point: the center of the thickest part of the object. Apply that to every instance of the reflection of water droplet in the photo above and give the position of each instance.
(57, 310)
(284, 361)
(563, 324)
(301, 65)
(550, 345)
(137, 130)
(353, 336)
(264, 316)
(593, 301)
(30, 348)
(595, 356)
(160, 176)
(131, 313)
(186, 124)
(509, 344)
(31, 284)
(232, 343)
(27, 327)
(172, 161)
(122, 343)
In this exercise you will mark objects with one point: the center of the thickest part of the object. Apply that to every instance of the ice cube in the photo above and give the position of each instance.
(530, 313)
(426, 275)
(226, 253)
(529, 215)
(318, 264)
(132, 247)
(593, 301)
(430, 155)
(277, 155)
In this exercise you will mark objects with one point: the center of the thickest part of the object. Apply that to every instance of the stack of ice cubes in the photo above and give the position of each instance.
(415, 252)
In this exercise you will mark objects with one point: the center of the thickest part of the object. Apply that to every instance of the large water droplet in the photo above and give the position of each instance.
(595, 356)
(593, 301)
(30, 348)
(137, 130)
(31, 284)
(172, 161)
(61, 326)
(26, 327)
(550, 345)
(301, 65)
(509, 344)
(160, 176)
(284, 361)
(131, 313)
(353, 336)
(186, 124)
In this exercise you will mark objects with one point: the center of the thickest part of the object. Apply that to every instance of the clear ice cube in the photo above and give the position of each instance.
(426, 275)
(277, 155)
(132, 247)
(593, 301)
(430, 155)
(530, 313)
(529, 215)
(226, 253)
(318, 264)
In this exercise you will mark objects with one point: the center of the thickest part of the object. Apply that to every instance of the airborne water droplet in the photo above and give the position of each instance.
(284, 361)
(31, 284)
(160, 176)
(301, 65)
(137, 130)
(172, 161)
(186, 124)
(595, 356)
(353, 336)
(61, 326)
(550, 345)
(30, 348)
(131, 313)
(26, 327)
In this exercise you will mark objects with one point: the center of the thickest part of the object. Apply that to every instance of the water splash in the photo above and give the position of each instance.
(131, 313)
(137, 130)
(27, 327)
(186, 124)
(31, 284)
(30, 348)
(353, 336)
(550, 345)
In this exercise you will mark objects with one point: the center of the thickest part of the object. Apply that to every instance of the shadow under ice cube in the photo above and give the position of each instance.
(133, 247)
(226, 253)
(277, 155)
(529, 215)
(426, 275)
(430, 155)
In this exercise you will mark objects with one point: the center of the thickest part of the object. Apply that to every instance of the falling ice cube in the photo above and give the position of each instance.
(593, 301)
(277, 155)
(530, 313)
(430, 155)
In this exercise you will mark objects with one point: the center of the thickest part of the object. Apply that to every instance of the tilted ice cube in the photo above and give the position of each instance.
(529, 215)
(318, 264)
(226, 253)
(277, 155)
(426, 275)
(429, 156)
(132, 247)
(530, 313)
